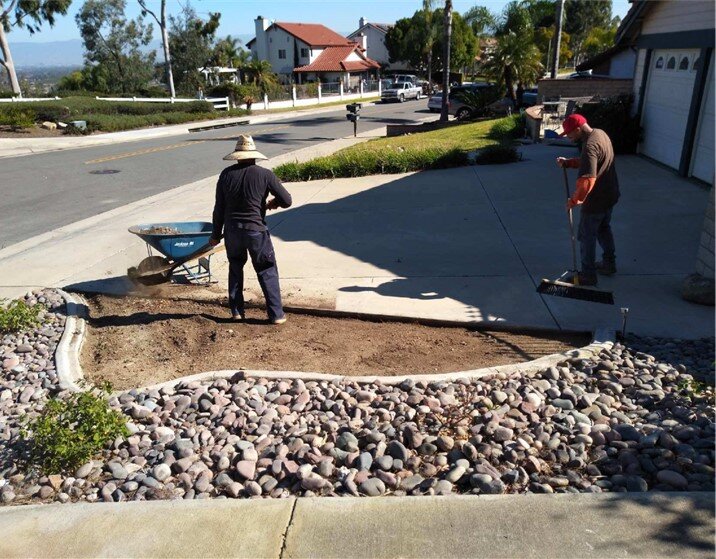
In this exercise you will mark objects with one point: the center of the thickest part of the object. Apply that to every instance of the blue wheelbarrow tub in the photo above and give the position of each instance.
(189, 238)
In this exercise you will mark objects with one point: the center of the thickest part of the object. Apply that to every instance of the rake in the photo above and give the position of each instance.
(562, 288)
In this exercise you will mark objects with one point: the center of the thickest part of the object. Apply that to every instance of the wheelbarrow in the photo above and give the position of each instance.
(179, 243)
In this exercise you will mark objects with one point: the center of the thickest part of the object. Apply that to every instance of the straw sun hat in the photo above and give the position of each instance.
(245, 149)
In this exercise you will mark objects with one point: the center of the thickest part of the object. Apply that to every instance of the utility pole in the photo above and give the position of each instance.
(557, 37)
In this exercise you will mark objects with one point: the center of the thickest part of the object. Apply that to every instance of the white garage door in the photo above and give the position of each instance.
(666, 104)
(704, 146)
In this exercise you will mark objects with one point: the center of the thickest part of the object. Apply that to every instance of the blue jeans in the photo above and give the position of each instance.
(240, 243)
(593, 228)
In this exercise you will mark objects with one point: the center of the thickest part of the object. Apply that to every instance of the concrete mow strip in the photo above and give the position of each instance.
(203, 528)
(529, 526)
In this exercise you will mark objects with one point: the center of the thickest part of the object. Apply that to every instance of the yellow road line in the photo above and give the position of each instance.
(146, 151)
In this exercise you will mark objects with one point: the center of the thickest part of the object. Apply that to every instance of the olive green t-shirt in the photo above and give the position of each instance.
(597, 160)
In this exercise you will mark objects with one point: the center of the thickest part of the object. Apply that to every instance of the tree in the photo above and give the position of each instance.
(598, 40)
(402, 38)
(262, 74)
(191, 41)
(447, 25)
(28, 14)
(429, 40)
(162, 23)
(464, 46)
(543, 39)
(113, 46)
(583, 15)
(481, 20)
(513, 61)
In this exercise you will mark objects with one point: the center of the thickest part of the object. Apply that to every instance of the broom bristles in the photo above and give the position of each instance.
(562, 289)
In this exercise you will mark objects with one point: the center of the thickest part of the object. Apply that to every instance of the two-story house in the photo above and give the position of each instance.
(371, 36)
(306, 52)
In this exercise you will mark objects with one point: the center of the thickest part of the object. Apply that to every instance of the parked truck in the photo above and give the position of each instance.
(400, 91)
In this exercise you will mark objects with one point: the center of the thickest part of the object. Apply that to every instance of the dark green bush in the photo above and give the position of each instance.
(358, 164)
(614, 117)
(507, 129)
(18, 116)
(478, 100)
(70, 431)
(491, 155)
(18, 315)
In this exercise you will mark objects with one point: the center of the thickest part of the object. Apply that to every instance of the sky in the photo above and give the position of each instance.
(238, 15)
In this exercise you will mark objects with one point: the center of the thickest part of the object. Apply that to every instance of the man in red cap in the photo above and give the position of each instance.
(597, 192)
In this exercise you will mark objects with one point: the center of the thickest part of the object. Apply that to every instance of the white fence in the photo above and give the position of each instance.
(218, 102)
(335, 92)
(27, 99)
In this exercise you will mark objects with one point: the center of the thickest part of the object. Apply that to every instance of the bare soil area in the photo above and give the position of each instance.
(34, 132)
(134, 342)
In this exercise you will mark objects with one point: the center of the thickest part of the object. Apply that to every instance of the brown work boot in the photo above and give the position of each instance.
(607, 267)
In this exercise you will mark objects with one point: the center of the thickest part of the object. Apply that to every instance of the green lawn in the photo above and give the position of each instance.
(437, 149)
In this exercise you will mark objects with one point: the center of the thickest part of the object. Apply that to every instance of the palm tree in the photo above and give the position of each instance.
(514, 60)
(429, 39)
(230, 48)
(262, 74)
(447, 14)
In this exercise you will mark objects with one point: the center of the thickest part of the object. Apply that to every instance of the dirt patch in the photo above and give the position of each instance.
(134, 342)
(34, 132)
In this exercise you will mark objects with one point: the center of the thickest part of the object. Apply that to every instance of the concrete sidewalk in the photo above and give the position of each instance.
(15, 147)
(468, 244)
(535, 526)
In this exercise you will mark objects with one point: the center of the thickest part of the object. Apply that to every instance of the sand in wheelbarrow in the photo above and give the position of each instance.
(133, 342)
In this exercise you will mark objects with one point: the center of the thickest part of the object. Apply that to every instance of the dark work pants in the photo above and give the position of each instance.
(240, 243)
(592, 228)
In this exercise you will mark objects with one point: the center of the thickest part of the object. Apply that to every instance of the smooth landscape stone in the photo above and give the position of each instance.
(161, 472)
(373, 487)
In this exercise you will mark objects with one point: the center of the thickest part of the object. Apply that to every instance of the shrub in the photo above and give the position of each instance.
(70, 431)
(18, 117)
(362, 163)
(491, 155)
(507, 129)
(479, 99)
(614, 117)
(18, 315)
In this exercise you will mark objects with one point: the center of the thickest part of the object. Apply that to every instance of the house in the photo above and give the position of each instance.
(618, 62)
(371, 36)
(673, 85)
(674, 93)
(305, 52)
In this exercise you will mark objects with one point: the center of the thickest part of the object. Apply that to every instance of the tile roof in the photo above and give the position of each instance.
(313, 34)
(333, 59)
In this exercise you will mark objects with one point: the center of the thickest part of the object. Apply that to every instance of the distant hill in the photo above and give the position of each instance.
(34, 54)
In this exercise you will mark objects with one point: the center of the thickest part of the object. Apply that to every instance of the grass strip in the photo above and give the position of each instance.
(437, 149)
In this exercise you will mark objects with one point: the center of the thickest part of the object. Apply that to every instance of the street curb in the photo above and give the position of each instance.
(70, 372)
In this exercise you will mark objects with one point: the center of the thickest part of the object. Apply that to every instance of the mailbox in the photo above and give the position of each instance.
(354, 115)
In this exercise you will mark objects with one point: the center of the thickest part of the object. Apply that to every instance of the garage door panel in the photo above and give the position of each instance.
(666, 107)
(704, 146)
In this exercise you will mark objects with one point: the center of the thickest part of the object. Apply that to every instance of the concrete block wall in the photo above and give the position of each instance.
(603, 87)
(705, 257)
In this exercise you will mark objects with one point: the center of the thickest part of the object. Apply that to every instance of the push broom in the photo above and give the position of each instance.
(562, 288)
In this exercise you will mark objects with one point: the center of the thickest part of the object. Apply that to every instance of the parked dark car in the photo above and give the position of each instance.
(456, 106)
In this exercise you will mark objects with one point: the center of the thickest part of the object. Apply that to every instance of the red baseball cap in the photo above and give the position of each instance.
(571, 123)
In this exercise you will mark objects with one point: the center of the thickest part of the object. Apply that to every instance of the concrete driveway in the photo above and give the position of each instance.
(468, 244)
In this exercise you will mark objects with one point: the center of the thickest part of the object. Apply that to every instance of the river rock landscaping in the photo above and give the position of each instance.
(623, 421)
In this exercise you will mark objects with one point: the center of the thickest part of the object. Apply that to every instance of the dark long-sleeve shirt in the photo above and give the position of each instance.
(241, 194)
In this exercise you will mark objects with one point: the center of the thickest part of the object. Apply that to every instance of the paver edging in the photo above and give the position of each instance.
(70, 372)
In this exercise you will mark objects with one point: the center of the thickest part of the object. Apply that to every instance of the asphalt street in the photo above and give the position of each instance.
(46, 191)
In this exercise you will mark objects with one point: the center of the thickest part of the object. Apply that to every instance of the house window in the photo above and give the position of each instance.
(659, 62)
(697, 64)
(304, 53)
(671, 64)
(282, 54)
(684, 64)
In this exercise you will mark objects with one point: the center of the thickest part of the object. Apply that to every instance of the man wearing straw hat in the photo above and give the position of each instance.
(240, 211)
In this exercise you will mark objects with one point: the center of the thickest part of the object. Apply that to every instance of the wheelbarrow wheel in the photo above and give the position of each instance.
(149, 264)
